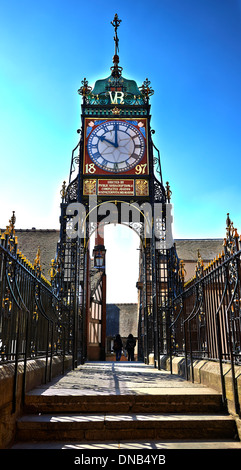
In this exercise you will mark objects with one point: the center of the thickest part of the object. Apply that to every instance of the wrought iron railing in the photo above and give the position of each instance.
(33, 319)
(205, 321)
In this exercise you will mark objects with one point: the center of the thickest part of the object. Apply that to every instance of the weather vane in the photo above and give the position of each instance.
(116, 70)
(116, 23)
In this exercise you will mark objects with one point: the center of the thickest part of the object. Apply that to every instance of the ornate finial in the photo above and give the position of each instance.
(52, 270)
(12, 240)
(37, 264)
(199, 265)
(168, 192)
(116, 70)
(85, 89)
(228, 221)
(146, 89)
(116, 23)
(10, 227)
(200, 260)
(230, 242)
(182, 270)
(229, 227)
(12, 221)
(63, 191)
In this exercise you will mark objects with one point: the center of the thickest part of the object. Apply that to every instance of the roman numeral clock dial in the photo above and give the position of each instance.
(115, 146)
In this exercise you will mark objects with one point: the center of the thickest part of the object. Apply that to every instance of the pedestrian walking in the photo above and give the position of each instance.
(118, 347)
(130, 346)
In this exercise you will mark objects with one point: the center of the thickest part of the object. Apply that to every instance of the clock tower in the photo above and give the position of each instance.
(117, 153)
(115, 162)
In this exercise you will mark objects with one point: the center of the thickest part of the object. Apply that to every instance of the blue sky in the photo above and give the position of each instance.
(191, 52)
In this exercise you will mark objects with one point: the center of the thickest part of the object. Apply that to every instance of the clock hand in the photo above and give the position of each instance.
(116, 141)
(102, 138)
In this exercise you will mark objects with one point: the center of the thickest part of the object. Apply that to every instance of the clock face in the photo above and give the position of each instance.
(116, 146)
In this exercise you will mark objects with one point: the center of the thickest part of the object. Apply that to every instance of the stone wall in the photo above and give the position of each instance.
(208, 373)
(35, 376)
(122, 319)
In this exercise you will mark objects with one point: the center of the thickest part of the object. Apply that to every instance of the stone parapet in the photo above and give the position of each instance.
(35, 375)
(207, 373)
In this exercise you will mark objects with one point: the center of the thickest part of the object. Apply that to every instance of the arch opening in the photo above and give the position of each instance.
(121, 245)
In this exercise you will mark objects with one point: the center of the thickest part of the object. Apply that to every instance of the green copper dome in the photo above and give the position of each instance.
(115, 89)
(128, 86)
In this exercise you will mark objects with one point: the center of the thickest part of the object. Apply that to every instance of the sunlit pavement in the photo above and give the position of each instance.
(116, 379)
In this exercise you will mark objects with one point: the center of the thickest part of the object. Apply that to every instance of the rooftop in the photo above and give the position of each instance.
(187, 249)
(30, 239)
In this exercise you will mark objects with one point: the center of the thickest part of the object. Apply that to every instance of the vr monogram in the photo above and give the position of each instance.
(118, 95)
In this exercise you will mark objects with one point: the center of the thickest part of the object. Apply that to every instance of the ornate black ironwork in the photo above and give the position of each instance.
(116, 23)
(159, 191)
(72, 191)
(168, 192)
(206, 313)
(146, 90)
(32, 317)
(116, 70)
(157, 160)
(85, 89)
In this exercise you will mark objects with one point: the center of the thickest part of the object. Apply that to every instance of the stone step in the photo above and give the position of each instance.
(146, 444)
(112, 426)
(161, 403)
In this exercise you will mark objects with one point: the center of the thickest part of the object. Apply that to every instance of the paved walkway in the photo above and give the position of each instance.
(117, 378)
(121, 378)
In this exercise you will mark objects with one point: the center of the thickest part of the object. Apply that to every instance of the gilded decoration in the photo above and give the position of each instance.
(116, 110)
(142, 188)
(89, 187)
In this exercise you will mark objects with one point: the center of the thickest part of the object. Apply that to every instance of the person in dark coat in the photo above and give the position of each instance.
(118, 347)
(130, 346)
